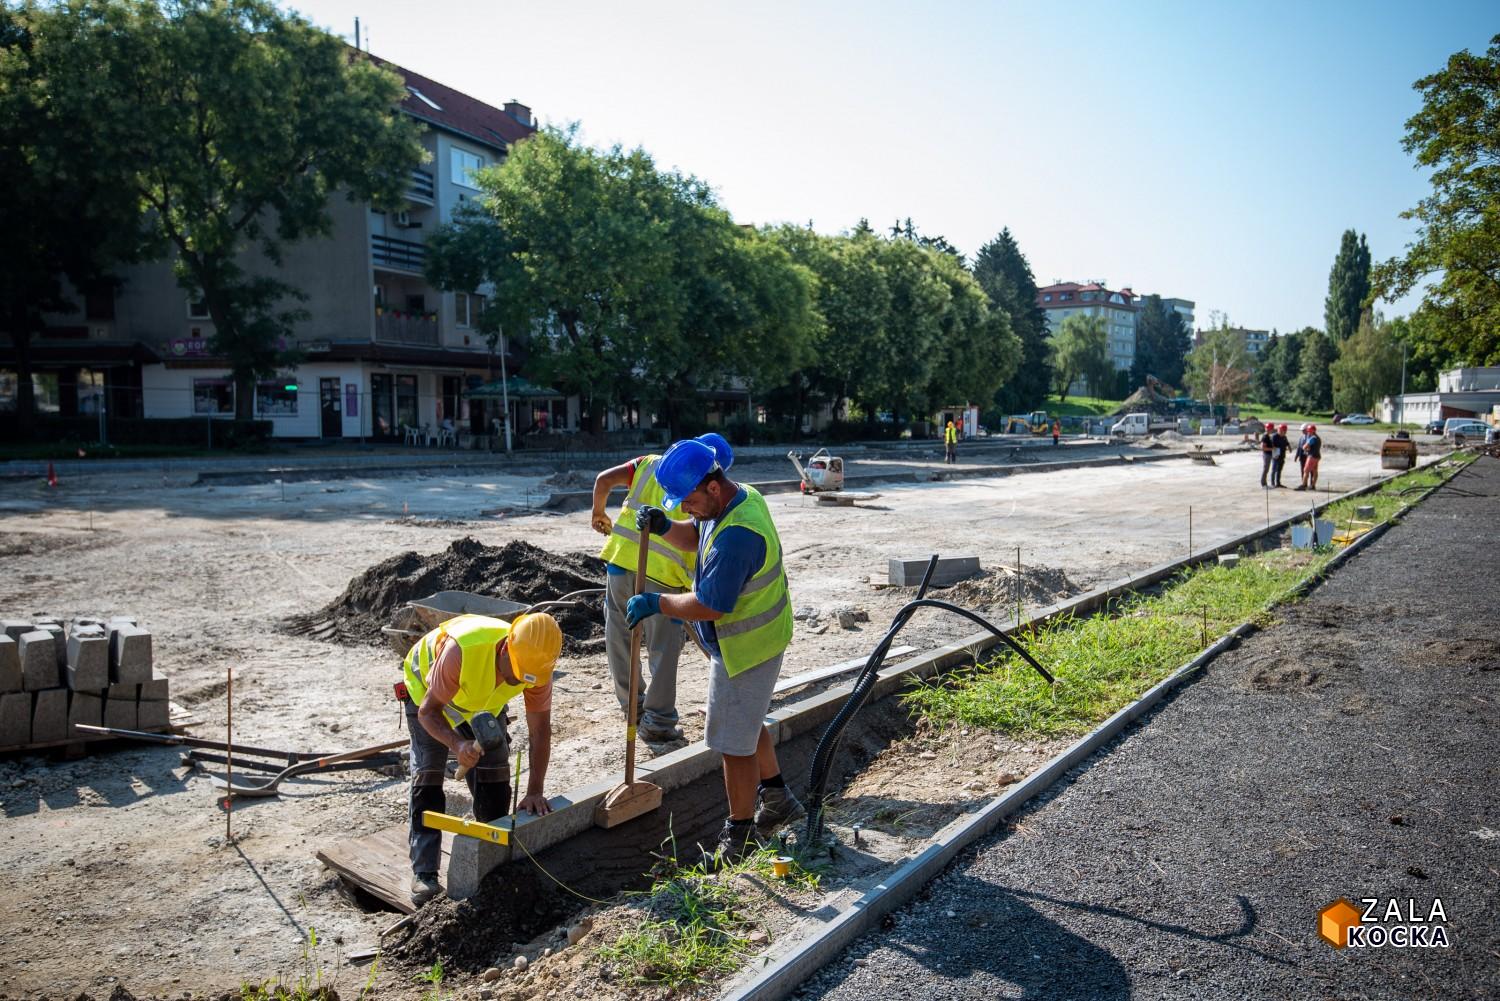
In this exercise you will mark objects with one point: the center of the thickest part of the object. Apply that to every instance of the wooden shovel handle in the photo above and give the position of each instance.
(643, 543)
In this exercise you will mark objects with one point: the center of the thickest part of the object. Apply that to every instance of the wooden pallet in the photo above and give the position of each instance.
(380, 864)
(178, 721)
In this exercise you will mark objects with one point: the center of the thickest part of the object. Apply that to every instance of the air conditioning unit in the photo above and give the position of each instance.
(403, 220)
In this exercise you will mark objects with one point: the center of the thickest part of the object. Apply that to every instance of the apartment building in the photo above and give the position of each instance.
(381, 349)
(1061, 300)
(1256, 341)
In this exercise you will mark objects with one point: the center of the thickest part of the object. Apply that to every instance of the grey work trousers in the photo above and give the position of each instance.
(661, 639)
(489, 784)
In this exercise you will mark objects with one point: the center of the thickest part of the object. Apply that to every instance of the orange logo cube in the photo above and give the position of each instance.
(1335, 920)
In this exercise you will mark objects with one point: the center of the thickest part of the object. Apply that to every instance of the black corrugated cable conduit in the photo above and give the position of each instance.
(828, 743)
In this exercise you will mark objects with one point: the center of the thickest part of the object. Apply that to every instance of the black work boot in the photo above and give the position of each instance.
(777, 806)
(736, 841)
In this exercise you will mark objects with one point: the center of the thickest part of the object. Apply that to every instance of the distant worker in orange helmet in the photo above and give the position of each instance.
(468, 665)
(1312, 447)
(1056, 431)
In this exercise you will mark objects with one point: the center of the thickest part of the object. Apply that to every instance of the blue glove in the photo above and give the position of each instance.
(641, 607)
(653, 520)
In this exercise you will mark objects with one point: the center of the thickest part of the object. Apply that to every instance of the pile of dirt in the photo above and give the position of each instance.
(997, 588)
(569, 480)
(517, 571)
(514, 905)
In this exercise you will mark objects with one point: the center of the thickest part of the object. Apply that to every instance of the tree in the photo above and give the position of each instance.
(1348, 287)
(1277, 370)
(232, 125)
(1219, 369)
(1005, 275)
(1368, 367)
(1313, 388)
(1081, 351)
(977, 352)
(1456, 135)
(65, 213)
(1162, 341)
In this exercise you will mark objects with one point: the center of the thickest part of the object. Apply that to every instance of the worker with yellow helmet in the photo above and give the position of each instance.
(467, 665)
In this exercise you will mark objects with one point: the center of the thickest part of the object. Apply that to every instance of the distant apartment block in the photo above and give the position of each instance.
(1118, 309)
(381, 350)
(1256, 341)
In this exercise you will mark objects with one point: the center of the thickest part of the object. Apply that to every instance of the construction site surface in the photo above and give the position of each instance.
(124, 869)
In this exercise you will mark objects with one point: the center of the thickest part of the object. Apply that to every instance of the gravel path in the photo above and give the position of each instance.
(1348, 751)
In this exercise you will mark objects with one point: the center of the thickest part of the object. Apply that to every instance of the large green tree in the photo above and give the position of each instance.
(1368, 367)
(1348, 286)
(66, 218)
(977, 350)
(1313, 387)
(1162, 341)
(1081, 351)
(232, 124)
(1456, 135)
(1005, 275)
(1219, 369)
(1276, 369)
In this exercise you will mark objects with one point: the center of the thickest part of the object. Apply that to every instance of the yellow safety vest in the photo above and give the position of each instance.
(950, 435)
(759, 627)
(479, 690)
(665, 563)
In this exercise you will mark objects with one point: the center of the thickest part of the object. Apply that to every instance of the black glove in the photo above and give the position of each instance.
(652, 520)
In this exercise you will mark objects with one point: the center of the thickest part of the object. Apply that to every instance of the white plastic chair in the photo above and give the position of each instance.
(409, 433)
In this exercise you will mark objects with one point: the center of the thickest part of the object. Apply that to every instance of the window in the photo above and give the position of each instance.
(463, 165)
(406, 400)
(213, 396)
(466, 309)
(1047, 297)
(90, 391)
(424, 98)
(198, 309)
(273, 399)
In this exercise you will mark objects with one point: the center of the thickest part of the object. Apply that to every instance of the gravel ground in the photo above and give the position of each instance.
(1347, 751)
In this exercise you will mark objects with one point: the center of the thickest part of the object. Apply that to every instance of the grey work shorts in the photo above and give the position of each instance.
(737, 706)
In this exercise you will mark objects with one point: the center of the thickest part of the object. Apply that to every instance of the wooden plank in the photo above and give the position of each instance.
(787, 684)
(380, 864)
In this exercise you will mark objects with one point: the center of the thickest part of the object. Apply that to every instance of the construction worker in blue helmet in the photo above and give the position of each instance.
(741, 610)
(669, 570)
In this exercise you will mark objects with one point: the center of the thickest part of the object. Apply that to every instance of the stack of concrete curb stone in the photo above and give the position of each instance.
(97, 671)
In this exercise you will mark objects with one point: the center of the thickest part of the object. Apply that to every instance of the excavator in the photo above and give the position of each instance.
(1036, 422)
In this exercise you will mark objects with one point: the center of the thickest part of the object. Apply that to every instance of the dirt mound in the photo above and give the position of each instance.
(997, 588)
(569, 480)
(517, 571)
(514, 905)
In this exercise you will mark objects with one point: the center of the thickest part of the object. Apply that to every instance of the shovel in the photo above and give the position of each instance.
(631, 799)
(268, 788)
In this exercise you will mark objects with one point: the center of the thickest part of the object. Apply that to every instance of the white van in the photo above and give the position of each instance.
(1132, 424)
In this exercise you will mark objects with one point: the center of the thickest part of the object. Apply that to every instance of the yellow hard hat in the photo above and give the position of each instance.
(535, 640)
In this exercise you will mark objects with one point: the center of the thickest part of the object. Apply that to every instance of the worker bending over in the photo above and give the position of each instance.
(741, 611)
(669, 570)
(472, 664)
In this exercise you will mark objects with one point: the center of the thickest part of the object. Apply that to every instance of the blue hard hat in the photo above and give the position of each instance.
(721, 448)
(682, 468)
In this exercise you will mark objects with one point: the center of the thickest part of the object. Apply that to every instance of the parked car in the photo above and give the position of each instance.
(1357, 419)
(1132, 424)
(1461, 432)
(1435, 427)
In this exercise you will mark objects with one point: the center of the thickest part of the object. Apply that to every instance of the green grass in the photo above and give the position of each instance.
(1081, 406)
(1105, 661)
(696, 929)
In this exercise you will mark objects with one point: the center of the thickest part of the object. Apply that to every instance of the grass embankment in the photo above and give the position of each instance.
(1081, 406)
(1103, 662)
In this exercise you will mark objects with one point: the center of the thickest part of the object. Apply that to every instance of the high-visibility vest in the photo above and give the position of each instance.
(950, 435)
(478, 637)
(759, 627)
(665, 563)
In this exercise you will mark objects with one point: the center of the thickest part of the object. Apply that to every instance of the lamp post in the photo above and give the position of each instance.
(1402, 418)
(504, 394)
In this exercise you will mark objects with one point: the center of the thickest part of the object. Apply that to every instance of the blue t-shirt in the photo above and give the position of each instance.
(723, 569)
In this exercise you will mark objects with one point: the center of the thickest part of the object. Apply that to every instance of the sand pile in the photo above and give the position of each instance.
(996, 588)
(517, 571)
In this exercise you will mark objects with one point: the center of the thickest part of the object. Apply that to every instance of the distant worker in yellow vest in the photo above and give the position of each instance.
(950, 442)
(741, 610)
(467, 665)
(669, 570)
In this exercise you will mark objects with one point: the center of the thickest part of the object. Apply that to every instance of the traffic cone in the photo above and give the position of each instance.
(51, 475)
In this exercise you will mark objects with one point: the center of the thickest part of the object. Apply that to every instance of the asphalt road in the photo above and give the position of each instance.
(1350, 750)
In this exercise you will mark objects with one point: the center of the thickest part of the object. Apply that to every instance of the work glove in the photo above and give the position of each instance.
(653, 520)
(642, 606)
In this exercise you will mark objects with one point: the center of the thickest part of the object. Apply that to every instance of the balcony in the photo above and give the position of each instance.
(403, 255)
(422, 187)
(399, 327)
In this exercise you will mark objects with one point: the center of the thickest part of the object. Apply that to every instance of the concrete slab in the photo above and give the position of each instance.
(123, 691)
(86, 708)
(122, 620)
(153, 715)
(120, 713)
(908, 572)
(49, 715)
(153, 690)
(15, 719)
(15, 627)
(10, 665)
(88, 663)
(129, 654)
(59, 642)
(38, 657)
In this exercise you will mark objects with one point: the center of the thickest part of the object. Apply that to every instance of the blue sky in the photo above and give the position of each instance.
(1209, 151)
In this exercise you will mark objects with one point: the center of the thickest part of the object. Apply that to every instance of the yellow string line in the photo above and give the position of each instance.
(549, 875)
